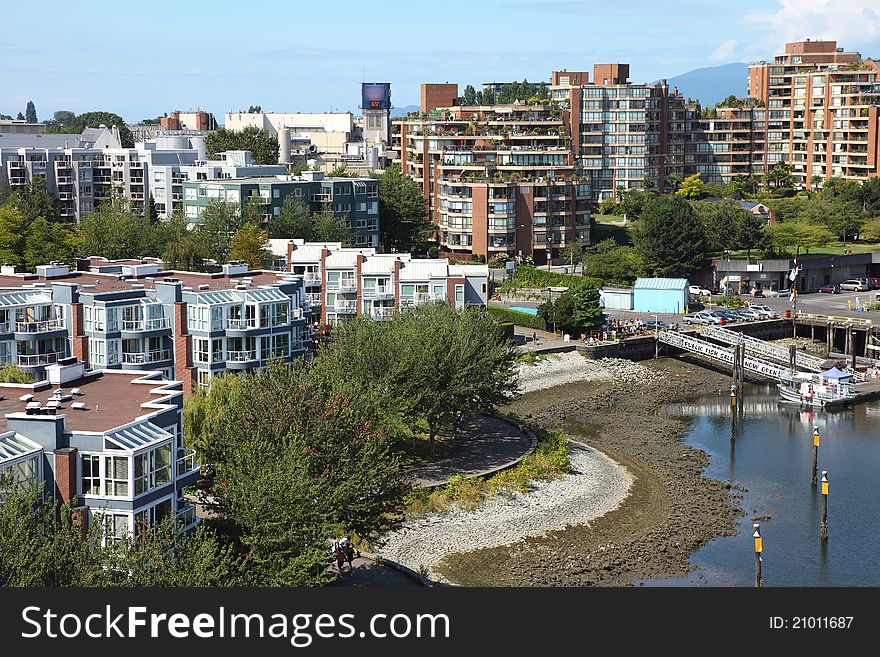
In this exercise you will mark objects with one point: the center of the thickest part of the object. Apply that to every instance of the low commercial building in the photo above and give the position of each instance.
(813, 271)
(344, 282)
(660, 295)
(109, 443)
(135, 316)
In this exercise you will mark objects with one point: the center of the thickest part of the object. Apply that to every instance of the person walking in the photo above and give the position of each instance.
(348, 551)
(339, 554)
(534, 337)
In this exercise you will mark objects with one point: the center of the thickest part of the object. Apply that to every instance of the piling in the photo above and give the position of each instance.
(759, 548)
(823, 529)
(815, 472)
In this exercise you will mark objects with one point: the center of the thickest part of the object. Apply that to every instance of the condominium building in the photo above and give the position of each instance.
(354, 199)
(822, 111)
(728, 142)
(623, 134)
(109, 443)
(498, 179)
(344, 282)
(133, 315)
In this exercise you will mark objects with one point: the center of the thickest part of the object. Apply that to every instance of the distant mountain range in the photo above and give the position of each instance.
(713, 83)
(403, 111)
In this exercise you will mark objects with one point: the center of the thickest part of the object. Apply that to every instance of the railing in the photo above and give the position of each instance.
(241, 356)
(345, 306)
(146, 324)
(420, 297)
(321, 198)
(346, 284)
(35, 360)
(187, 462)
(39, 327)
(314, 298)
(186, 516)
(381, 313)
(296, 313)
(142, 357)
(241, 324)
(378, 291)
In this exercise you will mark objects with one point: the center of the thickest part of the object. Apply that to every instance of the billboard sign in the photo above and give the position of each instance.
(376, 95)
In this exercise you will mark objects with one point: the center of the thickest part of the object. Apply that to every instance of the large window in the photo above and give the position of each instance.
(116, 476)
(197, 318)
(281, 346)
(115, 527)
(280, 314)
(152, 469)
(25, 472)
(200, 350)
(91, 474)
(153, 517)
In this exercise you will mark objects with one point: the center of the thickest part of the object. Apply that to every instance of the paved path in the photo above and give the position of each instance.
(489, 444)
(369, 573)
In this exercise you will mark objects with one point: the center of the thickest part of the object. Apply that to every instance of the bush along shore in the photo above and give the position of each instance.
(670, 509)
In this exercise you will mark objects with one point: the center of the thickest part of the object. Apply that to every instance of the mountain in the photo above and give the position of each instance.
(713, 83)
(403, 111)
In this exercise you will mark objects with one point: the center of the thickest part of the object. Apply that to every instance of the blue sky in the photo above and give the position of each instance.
(142, 59)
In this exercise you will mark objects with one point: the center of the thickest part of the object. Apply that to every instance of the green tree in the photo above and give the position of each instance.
(470, 95)
(339, 171)
(572, 254)
(262, 145)
(293, 221)
(254, 109)
(611, 263)
(13, 234)
(673, 182)
(31, 112)
(63, 118)
(327, 227)
(871, 229)
(184, 249)
(47, 243)
(251, 244)
(113, 231)
(780, 175)
(403, 223)
(94, 120)
(670, 237)
(33, 201)
(10, 373)
(691, 187)
(217, 224)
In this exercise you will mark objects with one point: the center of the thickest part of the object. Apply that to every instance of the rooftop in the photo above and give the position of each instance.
(112, 399)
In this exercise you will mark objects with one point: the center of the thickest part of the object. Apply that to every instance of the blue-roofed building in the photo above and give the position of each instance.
(110, 443)
(660, 295)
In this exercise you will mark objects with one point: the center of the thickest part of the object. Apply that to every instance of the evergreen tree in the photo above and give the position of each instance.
(31, 112)
(670, 237)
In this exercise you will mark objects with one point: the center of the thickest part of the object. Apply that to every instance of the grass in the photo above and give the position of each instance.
(610, 227)
(549, 461)
(838, 248)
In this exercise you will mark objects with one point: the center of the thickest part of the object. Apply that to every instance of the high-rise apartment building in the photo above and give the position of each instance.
(499, 179)
(623, 134)
(822, 111)
(727, 142)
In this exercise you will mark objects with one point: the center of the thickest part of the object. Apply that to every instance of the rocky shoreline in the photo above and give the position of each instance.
(671, 509)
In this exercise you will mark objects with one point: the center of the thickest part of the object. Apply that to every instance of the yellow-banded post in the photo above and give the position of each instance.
(733, 397)
(824, 527)
(815, 472)
(759, 548)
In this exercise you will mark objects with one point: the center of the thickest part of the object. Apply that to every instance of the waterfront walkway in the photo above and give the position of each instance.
(368, 572)
(489, 444)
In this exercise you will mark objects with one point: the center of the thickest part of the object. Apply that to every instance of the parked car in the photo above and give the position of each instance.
(831, 288)
(701, 317)
(766, 311)
(726, 315)
(659, 324)
(854, 285)
(743, 314)
(749, 314)
(699, 291)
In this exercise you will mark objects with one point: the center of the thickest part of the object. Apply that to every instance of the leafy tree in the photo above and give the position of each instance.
(575, 311)
(47, 243)
(673, 182)
(479, 98)
(150, 210)
(294, 220)
(691, 187)
(31, 112)
(185, 249)
(470, 95)
(251, 244)
(845, 219)
(113, 231)
(670, 237)
(262, 145)
(94, 120)
(19, 117)
(10, 373)
(793, 236)
(871, 229)
(217, 224)
(13, 234)
(403, 223)
(327, 227)
(340, 171)
(254, 109)
(63, 118)
(612, 263)
(33, 201)
(572, 254)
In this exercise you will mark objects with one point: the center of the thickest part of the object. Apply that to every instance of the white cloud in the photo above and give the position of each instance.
(854, 24)
(724, 53)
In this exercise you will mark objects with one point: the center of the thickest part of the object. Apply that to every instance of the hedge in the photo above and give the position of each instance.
(517, 318)
(529, 277)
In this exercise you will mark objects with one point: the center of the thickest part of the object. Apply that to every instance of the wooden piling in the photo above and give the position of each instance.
(759, 548)
(815, 471)
(824, 527)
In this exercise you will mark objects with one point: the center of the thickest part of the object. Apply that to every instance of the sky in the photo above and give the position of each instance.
(140, 60)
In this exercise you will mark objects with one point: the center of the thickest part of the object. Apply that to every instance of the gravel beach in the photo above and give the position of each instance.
(671, 508)
(571, 367)
(595, 486)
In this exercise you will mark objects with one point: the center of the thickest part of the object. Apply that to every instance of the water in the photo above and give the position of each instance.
(523, 309)
(772, 458)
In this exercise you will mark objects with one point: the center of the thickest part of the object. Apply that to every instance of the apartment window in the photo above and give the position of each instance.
(189, 194)
(203, 378)
(113, 352)
(265, 314)
(98, 352)
(343, 190)
(280, 314)
(197, 317)
(216, 350)
(281, 345)
(116, 476)
(91, 474)
(152, 469)
(115, 527)
(152, 517)
(200, 350)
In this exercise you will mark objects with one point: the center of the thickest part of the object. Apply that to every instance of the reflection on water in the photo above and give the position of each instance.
(771, 456)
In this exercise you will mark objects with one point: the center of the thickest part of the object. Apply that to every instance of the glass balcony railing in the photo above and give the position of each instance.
(241, 356)
(39, 327)
(186, 462)
(146, 324)
(35, 360)
(143, 357)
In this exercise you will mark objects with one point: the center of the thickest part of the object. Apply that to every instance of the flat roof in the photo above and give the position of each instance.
(111, 398)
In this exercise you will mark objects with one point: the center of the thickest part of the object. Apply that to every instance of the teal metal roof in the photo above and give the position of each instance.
(24, 298)
(661, 284)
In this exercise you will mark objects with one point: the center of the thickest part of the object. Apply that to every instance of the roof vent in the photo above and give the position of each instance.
(204, 286)
(187, 289)
(137, 286)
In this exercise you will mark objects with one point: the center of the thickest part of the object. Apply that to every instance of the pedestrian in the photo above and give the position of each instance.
(534, 337)
(339, 553)
(348, 551)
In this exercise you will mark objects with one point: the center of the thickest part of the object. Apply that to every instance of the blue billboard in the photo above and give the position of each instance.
(376, 95)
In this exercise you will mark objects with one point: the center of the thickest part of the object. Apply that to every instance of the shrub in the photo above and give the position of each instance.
(530, 277)
(517, 318)
(13, 374)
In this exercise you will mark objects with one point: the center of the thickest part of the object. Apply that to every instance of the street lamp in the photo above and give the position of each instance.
(727, 280)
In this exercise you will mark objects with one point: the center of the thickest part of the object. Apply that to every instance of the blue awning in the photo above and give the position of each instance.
(835, 373)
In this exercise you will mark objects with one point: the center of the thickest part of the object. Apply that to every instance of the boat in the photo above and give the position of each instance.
(826, 390)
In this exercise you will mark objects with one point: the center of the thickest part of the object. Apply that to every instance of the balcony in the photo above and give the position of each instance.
(64, 180)
(186, 516)
(296, 313)
(146, 324)
(39, 327)
(379, 292)
(381, 313)
(186, 462)
(241, 325)
(421, 297)
(346, 307)
(145, 357)
(314, 299)
(65, 196)
(36, 360)
(321, 198)
(343, 285)
(241, 356)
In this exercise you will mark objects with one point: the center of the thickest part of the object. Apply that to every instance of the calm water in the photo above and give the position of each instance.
(772, 457)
